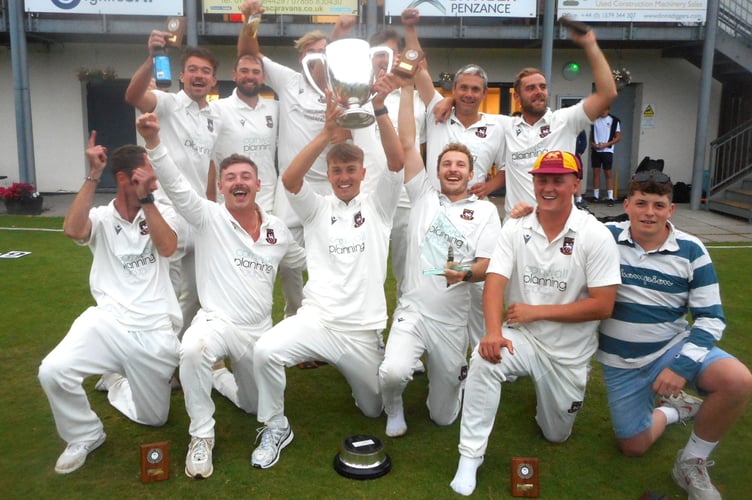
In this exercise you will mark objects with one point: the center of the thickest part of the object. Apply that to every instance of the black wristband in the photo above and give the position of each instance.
(148, 200)
(380, 112)
(468, 275)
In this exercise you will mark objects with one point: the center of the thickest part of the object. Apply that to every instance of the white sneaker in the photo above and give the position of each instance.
(74, 455)
(272, 442)
(198, 461)
(686, 404)
(692, 476)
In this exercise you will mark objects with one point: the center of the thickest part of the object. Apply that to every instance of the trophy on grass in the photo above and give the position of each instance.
(349, 75)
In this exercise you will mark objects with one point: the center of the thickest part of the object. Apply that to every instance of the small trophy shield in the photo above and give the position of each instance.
(176, 26)
(408, 63)
(525, 477)
(155, 462)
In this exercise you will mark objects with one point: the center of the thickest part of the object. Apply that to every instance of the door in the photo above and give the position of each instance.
(624, 108)
(112, 118)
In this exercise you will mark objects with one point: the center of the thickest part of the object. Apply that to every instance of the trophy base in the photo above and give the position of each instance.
(355, 118)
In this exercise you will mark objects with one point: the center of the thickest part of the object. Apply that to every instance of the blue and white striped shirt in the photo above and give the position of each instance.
(658, 289)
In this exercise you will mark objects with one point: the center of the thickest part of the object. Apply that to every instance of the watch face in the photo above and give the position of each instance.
(154, 456)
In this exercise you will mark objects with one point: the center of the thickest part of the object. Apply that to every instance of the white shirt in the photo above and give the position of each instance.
(251, 132)
(189, 133)
(602, 131)
(347, 246)
(483, 138)
(470, 225)
(582, 256)
(524, 143)
(234, 273)
(128, 277)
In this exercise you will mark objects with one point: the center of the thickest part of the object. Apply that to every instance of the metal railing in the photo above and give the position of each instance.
(730, 158)
(735, 18)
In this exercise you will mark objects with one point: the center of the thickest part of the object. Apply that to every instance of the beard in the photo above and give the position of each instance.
(249, 91)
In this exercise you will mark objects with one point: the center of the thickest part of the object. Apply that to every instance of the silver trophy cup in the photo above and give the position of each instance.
(349, 76)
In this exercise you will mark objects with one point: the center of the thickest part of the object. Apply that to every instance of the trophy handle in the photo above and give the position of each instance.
(381, 50)
(306, 61)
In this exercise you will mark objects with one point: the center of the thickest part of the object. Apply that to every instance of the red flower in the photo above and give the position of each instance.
(18, 191)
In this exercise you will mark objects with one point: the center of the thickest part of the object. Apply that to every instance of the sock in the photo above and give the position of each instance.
(595, 194)
(697, 448)
(672, 414)
(610, 194)
(464, 480)
(395, 424)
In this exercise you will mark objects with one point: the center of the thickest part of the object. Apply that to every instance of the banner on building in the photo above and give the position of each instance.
(464, 8)
(643, 11)
(299, 7)
(124, 7)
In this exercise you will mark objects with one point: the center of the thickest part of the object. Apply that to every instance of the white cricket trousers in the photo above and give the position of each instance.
(356, 354)
(446, 350)
(207, 340)
(559, 392)
(98, 343)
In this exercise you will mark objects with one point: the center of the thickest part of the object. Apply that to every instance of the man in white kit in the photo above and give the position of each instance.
(190, 130)
(249, 126)
(431, 314)
(302, 110)
(133, 328)
(344, 307)
(239, 247)
(556, 270)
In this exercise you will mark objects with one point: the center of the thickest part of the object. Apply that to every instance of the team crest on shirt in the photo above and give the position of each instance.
(467, 214)
(358, 219)
(463, 373)
(143, 228)
(210, 125)
(526, 237)
(567, 246)
(576, 406)
(269, 121)
(270, 238)
(482, 132)
(544, 131)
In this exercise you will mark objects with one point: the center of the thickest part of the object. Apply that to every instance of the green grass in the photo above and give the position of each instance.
(44, 292)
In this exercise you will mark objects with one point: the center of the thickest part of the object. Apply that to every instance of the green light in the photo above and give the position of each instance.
(570, 71)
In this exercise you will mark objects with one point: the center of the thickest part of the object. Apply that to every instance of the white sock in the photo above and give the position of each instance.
(464, 479)
(595, 195)
(698, 448)
(395, 424)
(610, 194)
(672, 414)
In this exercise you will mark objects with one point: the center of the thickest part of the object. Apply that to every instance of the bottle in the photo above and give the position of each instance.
(162, 73)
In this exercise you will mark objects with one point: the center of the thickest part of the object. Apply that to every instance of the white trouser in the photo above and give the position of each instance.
(476, 323)
(446, 353)
(398, 240)
(98, 343)
(356, 354)
(559, 391)
(291, 279)
(208, 340)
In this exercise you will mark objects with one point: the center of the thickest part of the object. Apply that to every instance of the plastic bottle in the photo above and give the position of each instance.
(162, 73)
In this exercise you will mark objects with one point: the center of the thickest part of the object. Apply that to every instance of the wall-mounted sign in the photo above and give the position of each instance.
(300, 7)
(464, 8)
(644, 11)
(123, 7)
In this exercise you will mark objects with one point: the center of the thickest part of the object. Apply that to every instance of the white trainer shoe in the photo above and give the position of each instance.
(686, 404)
(692, 476)
(198, 461)
(273, 440)
(74, 455)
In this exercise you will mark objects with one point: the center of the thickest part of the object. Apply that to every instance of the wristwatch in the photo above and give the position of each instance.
(145, 201)
(468, 275)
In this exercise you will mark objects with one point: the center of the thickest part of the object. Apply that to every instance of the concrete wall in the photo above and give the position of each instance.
(58, 99)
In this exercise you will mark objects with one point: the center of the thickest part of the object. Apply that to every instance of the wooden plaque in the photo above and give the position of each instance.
(155, 462)
(525, 477)
(176, 26)
(408, 63)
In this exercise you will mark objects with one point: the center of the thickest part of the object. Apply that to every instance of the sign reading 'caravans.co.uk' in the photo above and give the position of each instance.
(300, 7)
(122, 7)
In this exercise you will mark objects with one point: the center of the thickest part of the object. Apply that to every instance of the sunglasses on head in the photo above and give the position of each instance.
(654, 176)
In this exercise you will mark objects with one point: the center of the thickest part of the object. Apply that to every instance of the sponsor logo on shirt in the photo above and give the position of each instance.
(528, 154)
(542, 277)
(134, 264)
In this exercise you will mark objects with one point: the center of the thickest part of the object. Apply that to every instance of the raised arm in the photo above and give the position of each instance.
(247, 41)
(343, 26)
(423, 82)
(162, 235)
(138, 94)
(605, 87)
(293, 176)
(406, 125)
(395, 157)
(77, 225)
